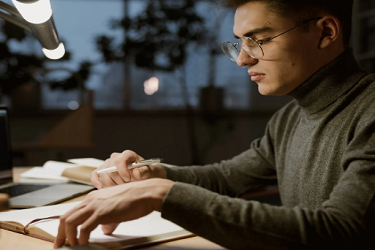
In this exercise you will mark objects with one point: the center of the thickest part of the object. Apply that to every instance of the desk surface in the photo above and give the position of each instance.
(16, 241)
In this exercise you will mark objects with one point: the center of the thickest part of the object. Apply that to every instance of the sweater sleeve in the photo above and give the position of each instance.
(249, 170)
(345, 221)
(235, 223)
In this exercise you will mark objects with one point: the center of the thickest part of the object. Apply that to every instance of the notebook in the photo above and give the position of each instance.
(26, 195)
(146, 230)
(76, 170)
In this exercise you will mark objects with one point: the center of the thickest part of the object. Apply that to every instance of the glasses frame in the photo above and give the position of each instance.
(259, 43)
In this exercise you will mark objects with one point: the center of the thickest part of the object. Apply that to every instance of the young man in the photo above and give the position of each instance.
(320, 148)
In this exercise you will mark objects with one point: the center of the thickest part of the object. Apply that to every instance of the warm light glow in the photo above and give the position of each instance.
(55, 54)
(151, 85)
(73, 105)
(37, 12)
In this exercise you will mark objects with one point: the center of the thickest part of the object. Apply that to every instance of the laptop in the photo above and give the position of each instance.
(26, 195)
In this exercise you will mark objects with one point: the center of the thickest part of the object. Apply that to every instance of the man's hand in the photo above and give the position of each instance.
(123, 175)
(109, 207)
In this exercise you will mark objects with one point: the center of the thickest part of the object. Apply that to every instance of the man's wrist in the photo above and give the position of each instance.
(159, 172)
(159, 189)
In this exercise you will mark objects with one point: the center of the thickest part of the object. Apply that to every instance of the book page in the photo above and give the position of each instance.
(43, 180)
(149, 225)
(151, 228)
(51, 170)
(43, 173)
(90, 162)
(24, 216)
(57, 166)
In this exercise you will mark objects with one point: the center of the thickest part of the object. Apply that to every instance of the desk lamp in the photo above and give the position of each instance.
(36, 16)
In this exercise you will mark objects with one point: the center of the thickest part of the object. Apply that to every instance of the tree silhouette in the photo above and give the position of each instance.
(76, 80)
(19, 68)
(157, 38)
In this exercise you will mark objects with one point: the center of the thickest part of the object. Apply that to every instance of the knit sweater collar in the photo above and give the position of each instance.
(328, 84)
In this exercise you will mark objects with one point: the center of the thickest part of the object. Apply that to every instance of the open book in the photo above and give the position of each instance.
(77, 170)
(147, 230)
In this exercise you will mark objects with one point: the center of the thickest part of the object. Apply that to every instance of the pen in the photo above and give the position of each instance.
(134, 165)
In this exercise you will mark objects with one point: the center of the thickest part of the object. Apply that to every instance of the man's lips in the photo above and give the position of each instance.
(256, 76)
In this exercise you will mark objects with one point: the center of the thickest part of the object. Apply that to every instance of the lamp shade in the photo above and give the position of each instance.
(38, 13)
(55, 53)
(34, 11)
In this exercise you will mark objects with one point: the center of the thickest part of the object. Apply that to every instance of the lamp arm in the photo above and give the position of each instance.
(24, 25)
(13, 16)
(10, 9)
(45, 31)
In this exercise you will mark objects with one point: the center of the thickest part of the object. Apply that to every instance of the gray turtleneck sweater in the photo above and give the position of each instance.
(319, 149)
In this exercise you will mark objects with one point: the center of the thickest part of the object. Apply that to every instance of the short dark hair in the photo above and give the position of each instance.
(301, 10)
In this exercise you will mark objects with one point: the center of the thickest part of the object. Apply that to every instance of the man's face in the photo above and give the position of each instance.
(288, 60)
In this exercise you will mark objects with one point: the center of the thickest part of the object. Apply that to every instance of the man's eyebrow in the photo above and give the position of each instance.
(254, 31)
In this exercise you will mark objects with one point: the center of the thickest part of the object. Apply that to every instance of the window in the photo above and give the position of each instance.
(363, 34)
(121, 84)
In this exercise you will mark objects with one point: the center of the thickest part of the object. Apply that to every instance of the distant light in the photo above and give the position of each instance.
(55, 54)
(151, 85)
(37, 12)
(73, 105)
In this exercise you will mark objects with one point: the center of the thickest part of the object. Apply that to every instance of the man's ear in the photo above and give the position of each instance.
(330, 31)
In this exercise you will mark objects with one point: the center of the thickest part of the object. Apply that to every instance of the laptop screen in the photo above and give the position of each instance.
(5, 146)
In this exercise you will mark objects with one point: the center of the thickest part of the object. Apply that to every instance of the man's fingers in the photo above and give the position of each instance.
(116, 178)
(111, 179)
(109, 228)
(107, 180)
(122, 175)
(123, 160)
(89, 225)
(60, 238)
(115, 154)
(142, 173)
(95, 180)
(74, 220)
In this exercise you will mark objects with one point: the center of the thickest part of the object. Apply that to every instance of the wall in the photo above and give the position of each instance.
(151, 134)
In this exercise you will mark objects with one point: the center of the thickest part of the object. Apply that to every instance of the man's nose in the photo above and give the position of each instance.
(244, 59)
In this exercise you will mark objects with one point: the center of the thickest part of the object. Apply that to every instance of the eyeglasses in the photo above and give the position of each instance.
(252, 47)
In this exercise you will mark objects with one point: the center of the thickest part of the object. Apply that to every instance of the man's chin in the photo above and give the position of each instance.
(270, 91)
(265, 91)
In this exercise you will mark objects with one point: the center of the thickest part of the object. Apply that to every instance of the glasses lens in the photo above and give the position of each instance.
(230, 51)
(251, 47)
